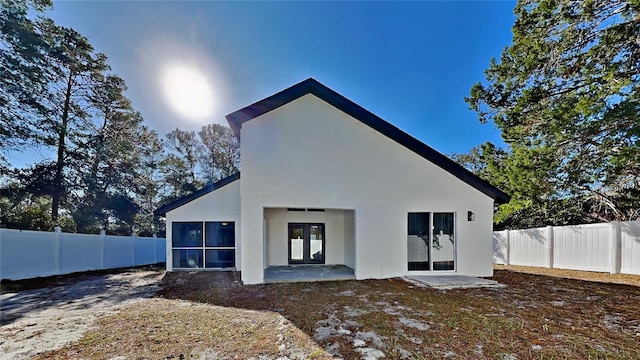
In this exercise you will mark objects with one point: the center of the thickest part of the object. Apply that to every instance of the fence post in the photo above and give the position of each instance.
(155, 249)
(57, 240)
(102, 251)
(508, 259)
(550, 245)
(615, 247)
(133, 249)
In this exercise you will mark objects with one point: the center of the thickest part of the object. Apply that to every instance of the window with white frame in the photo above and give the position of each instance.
(203, 244)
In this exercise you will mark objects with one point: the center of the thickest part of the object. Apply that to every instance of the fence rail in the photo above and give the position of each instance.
(609, 247)
(29, 254)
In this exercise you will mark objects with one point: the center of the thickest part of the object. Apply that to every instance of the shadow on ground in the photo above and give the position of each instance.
(49, 317)
(74, 293)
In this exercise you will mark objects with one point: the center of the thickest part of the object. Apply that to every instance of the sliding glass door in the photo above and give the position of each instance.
(430, 241)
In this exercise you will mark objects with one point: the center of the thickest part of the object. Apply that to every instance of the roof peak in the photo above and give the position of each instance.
(313, 86)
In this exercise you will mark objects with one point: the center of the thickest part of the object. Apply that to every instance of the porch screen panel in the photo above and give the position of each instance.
(203, 244)
(186, 240)
(224, 258)
(220, 234)
(220, 241)
(187, 258)
(186, 234)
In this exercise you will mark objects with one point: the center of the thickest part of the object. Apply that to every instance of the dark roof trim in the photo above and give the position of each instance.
(312, 86)
(162, 211)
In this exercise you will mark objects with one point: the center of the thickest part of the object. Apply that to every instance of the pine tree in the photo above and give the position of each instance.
(566, 96)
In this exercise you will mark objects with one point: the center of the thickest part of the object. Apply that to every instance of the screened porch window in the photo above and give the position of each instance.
(203, 244)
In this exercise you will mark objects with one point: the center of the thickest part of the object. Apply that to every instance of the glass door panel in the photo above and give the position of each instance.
(316, 240)
(444, 247)
(296, 242)
(418, 241)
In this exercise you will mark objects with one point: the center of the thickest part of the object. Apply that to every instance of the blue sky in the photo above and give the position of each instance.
(410, 63)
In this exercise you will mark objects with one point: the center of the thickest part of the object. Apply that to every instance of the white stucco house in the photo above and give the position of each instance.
(325, 181)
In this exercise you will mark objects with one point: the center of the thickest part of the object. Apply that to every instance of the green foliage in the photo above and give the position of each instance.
(192, 160)
(566, 97)
(29, 213)
(184, 145)
(118, 167)
(518, 173)
(109, 172)
(219, 152)
(60, 95)
(53, 71)
(23, 69)
(178, 165)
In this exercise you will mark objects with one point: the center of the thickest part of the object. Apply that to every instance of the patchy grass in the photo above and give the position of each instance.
(627, 279)
(159, 328)
(210, 314)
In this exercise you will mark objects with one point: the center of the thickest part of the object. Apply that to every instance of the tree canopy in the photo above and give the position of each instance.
(566, 97)
(107, 169)
(193, 159)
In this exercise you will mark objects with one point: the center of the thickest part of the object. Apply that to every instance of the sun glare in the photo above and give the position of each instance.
(188, 92)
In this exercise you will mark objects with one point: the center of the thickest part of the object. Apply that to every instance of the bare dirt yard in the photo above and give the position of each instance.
(41, 314)
(210, 315)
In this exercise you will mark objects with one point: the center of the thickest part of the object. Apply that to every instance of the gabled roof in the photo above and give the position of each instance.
(162, 211)
(312, 86)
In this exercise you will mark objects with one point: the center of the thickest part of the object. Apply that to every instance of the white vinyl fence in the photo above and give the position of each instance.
(610, 247)
(29, 254)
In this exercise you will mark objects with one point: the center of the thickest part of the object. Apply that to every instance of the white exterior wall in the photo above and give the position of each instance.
(349, 238)
(309, 154)
(222, 204)
(336, 236)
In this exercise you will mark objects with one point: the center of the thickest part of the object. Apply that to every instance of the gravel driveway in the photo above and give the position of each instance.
(32, 321)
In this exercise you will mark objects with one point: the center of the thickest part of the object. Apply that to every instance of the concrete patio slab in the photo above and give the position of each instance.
(307, 273)
(446, 282)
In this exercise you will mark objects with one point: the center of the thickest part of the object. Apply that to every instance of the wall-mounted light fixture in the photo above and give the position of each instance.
(471, 216)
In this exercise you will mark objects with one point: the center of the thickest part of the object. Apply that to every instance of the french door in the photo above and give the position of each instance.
(306, 243)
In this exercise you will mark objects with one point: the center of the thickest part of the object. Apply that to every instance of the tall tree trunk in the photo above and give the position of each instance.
(62, 135)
